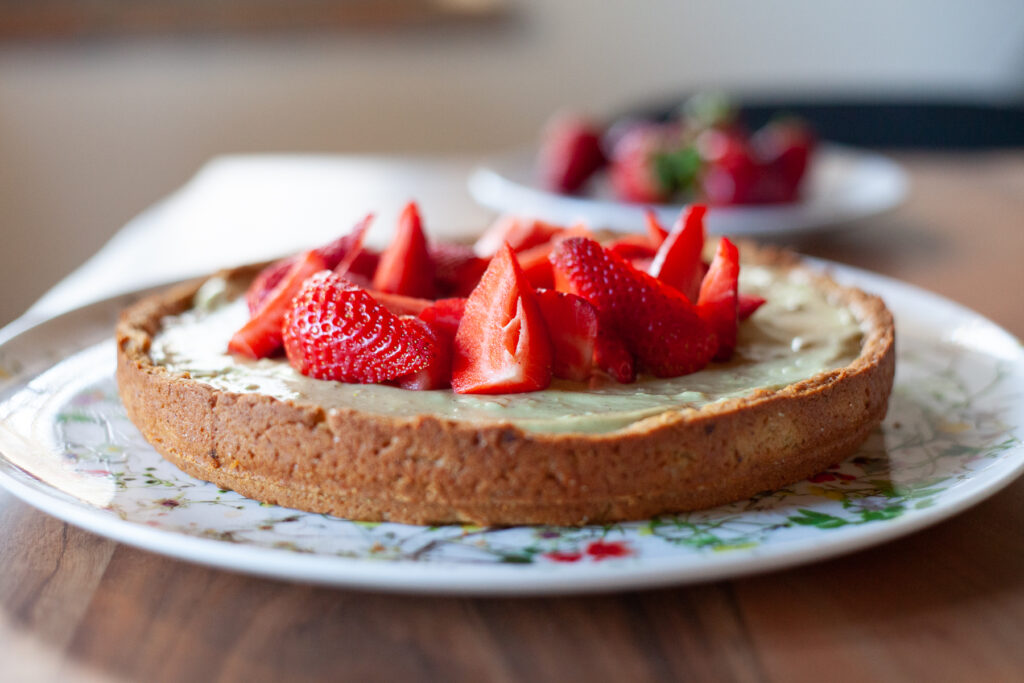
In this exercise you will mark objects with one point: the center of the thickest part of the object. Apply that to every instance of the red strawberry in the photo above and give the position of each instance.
(518, 232)
(405, 266)
(658, 325)
(400, 305)
(437, 374)
(655, 230)
(678, 262)
(457, 268)
(632, 247)
(612, 356)
(730, 173)
(718, 301)
(633, 170)
(261, 335)
(784, 149)
(572, 327)
(445, 314)
(570, 152)
(337, 331)
(332, 253)
(747, 305)
(535, 263)
(501, 345)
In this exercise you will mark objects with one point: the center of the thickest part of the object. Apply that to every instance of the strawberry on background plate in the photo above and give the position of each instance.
(406, 266)
(502, 344)
(570, 152)
(658, 325)
(335, 330)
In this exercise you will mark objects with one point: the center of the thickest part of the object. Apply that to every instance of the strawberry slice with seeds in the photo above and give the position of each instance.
(261, 335)
(332, 253)
(718, 301)
(445, 314)
(335, 330)
(678, 263)
(572, 327)
(437, 374)
(405, 267)
(501, 345)
(535, 262)
(518, 232)
(398, 304)
(659, 326)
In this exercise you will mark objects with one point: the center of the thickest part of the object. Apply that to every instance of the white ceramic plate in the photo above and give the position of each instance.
(844, 184)
(952, 437)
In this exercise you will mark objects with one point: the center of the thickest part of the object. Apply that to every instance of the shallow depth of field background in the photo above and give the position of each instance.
(94, 129)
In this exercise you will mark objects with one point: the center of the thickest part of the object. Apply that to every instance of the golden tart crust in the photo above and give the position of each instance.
(429, 470)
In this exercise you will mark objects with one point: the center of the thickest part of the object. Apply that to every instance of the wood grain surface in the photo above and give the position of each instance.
(945, 604)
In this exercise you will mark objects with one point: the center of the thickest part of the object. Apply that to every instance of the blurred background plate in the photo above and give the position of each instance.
(844, 184)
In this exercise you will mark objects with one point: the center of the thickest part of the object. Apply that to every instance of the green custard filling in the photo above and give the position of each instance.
(797, 334)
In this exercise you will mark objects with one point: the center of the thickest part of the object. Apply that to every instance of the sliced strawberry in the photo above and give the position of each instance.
(400, 305)
(445, 314)
(405, 266)
(747, 305)
(520, 233)
(354, 247)
(658, 325)
(678, 263)
(718, 301)
(655, 230)
(437, 374)
(632, 247)
(457, 268)
(332, 253)
(334, 330)
(572, 327)
(570, 152)
(501, 345)
(535, 262)
(261, 335)
(612, 356)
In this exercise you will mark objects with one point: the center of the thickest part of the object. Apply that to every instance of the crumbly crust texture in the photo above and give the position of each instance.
(431, 470)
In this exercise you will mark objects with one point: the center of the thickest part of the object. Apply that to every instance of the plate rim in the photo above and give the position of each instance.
(448, 578)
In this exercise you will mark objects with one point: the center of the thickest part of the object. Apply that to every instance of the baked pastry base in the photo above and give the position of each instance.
(432, 470)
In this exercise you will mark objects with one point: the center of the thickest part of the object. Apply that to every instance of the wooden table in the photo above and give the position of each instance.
(943, 604)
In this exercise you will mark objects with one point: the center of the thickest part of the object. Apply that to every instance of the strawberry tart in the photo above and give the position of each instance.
(545, 375)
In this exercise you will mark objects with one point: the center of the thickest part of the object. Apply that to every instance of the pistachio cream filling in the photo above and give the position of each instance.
(797, 334)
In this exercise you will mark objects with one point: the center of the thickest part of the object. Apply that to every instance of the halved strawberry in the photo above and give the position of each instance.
(631, 247)
(501, 345)
(332, 253)
(747, 305)
(658, 325)
(517, 231)
(405, 267)
(457, 268)
(718, 300)
(572, 327)
(535, 263)
(678, 263)
(445, 314)
(437, 374)
(400, 305)
(612, 356)
(570, 152)
(655, 230)
(261, 335)
(335, 330)
(442, 319)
